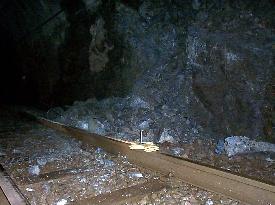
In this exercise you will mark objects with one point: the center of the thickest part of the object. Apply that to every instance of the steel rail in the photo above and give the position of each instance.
(234, 186)
(3, 198)
(10, 190)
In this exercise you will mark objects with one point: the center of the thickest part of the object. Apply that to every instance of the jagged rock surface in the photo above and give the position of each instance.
(200, 66)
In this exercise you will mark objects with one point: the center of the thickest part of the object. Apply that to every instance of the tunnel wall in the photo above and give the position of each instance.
(212, 60)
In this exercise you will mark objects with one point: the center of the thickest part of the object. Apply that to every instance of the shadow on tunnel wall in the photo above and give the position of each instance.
(73, 52)
(51, 54)
(12, 81)
(78, 78)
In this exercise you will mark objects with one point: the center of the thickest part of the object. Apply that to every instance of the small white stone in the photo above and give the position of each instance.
(269, 160)
(62, 202)
(209, 202)
(83, 125)
(34, 170)
(42, 161)
(83, 180)
(136, 174)
(166, 137)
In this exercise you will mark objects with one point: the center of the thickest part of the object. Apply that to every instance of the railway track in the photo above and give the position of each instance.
(9, 193)
(236, 187)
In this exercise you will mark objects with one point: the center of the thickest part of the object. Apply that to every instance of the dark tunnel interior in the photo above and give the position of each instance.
(194, 79)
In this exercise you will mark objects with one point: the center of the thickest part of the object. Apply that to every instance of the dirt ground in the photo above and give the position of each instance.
(50, 168)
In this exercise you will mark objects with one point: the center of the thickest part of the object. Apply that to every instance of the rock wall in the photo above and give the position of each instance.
(211, 62)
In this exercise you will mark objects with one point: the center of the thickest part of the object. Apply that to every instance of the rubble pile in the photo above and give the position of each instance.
(124, 118)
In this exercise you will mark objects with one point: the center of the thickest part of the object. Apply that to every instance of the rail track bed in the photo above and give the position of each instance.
(51, 163)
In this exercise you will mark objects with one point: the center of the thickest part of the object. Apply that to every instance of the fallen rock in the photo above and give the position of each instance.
(34, 170)
(240, 144)
(219, 147)
(166, 137)
(62, 202)
(137, 102)
(96, 126)
(209, 202)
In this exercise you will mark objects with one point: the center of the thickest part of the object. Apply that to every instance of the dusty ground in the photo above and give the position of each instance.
(184, 194)
(50, 168)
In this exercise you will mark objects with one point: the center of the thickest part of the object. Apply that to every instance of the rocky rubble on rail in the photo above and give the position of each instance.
(183, 76)
(124, 118)
(180, 74)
